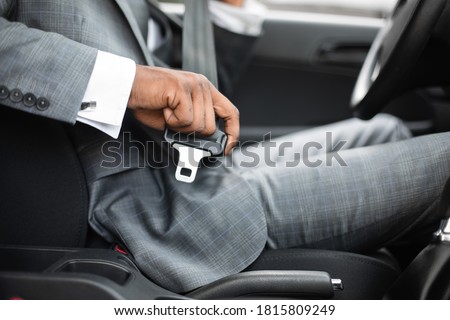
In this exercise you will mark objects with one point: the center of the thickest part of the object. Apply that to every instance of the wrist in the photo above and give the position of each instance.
(133, 100)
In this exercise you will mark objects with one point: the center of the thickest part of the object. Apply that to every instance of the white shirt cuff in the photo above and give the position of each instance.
(247, 20)
(109, 87)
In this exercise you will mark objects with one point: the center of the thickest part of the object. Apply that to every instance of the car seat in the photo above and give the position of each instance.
(48, 250)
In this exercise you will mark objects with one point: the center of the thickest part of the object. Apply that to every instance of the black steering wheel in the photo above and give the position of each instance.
(394, 52)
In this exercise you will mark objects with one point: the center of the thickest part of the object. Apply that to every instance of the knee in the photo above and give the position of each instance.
(392, 126)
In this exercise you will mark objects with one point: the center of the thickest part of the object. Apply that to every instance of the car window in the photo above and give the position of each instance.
(363, 8)
(370, 8)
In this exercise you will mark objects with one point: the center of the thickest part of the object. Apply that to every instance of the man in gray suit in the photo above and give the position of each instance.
(184, 236)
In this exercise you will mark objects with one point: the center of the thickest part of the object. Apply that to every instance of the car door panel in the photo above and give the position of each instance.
(303, 71)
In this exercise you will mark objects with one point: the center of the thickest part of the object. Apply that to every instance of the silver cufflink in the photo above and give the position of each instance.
(88, 105)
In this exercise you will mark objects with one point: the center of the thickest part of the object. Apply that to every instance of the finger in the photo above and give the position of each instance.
(180, 114)
(198, 102)
(210, 116)
(230, 115)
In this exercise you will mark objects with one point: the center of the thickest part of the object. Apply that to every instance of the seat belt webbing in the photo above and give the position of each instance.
(199, 53)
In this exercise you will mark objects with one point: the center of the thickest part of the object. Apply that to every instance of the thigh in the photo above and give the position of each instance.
(379, 194)
(342, 135)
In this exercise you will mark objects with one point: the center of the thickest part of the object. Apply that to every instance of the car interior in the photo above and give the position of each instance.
(331, 67)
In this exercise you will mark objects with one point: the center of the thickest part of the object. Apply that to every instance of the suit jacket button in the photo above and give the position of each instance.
(4, 92)
(15, 95)
(42, 104)
(29, 100)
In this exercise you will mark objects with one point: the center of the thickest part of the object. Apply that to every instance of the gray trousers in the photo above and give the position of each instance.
(375, 189)
(351, 186)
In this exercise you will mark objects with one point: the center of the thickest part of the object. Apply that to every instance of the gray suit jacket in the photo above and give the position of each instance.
(182, 236)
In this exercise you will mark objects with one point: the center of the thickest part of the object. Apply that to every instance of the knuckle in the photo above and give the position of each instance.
(201, 81)
(200, 128)
(202, 78)
(185, 86)
(186, 122)
(209, 130)
(192, 76)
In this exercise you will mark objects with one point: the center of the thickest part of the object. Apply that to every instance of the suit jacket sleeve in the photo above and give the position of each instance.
(41, 72)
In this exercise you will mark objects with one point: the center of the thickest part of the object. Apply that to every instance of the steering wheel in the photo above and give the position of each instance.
(394, 52)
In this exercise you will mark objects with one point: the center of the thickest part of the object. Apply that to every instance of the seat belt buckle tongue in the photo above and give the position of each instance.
(192, 149)
(188, 162)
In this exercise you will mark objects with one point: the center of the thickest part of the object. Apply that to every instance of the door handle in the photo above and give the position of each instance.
(350, 55)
